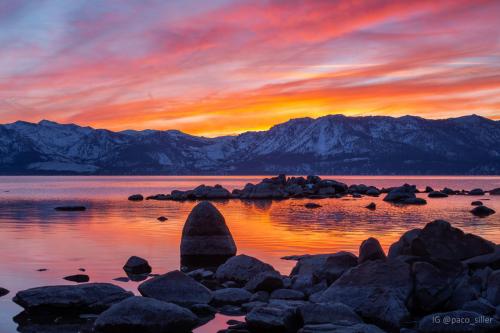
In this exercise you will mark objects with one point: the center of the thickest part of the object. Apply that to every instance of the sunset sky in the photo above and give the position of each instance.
(222, 67)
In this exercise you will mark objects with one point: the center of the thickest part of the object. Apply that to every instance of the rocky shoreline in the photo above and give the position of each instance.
(428, 277)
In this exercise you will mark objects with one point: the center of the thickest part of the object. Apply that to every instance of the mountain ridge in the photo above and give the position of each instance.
(332, 144)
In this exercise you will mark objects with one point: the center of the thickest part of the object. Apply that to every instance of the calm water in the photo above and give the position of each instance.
(33, 235)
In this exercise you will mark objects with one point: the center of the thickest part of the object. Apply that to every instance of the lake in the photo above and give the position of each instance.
(33, 235)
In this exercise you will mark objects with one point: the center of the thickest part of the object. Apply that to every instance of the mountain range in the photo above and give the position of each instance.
(333, 144)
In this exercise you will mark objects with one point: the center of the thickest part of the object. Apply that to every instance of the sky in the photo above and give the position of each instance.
(224, 67)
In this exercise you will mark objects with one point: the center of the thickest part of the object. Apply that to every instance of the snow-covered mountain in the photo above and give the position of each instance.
(328, 145)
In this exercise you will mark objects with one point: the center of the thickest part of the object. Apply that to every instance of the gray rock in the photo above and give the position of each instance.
(242, 269)
(377, 290)
(176, 287)
(482, 211)
(206, 239)
(232, 296)
(287, 294)
(137, 265)
(136, 197)
(464, 291)
(141, 314)
(493, 290)
(260, 296)
(370, 249)
(332, 313)
(266, 281)
(457, 321)
(83, 298)
(272, 319)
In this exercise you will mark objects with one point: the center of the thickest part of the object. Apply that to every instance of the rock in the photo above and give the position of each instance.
(373, 192)
(457, 321)
(403, 245)
(476, 191)
(140, 314)
(437, 194)
(414, 201)
(206, 239)
(377, 290)
(71, 208)
(200, 274)
(42, 270)
(83, 298)
(79, 278)
(441, 241)
(371, 206)
(160, 197)
(464, 290)
(252, 305)
(266, 281)
(312, 205)
(428, 189)
(482, 211)
(476, 203)
(203, 310)
(332, 328)
(260, 296)
(487, 260)
(137, 265)
(232, 296)
(332, 313)
(267, 189)
(162, 219)
(136, 197)
(3, 291)
(287, 294)
(493, 290)
(401, 194)
(370, 249)
(448, 191)
(481, 306)
(122, 279)
(242, 269)
(272, 319)
(495, 191)
(231, 310)
(176, 287)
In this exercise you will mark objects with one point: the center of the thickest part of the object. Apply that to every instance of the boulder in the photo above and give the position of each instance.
(176, 287)
(145, 315)
(3, 291)
(482, 211)
(487, 260)
(242, 269)
(476, 191)
(232, 296)
(481, 306)
(272, 319)
(266, 281)
(78, 278)
(287, 294)
(428, 189)
(77, 299)
(476, 203)
(137, 265)
(402, 194)
(440, 240)
(370, 249)
(378, 290)
(403, 245)
(206, 239)
(260, 296)
(457, 321)
(136, 197)
(331, 313)
(437, 194)
(493, 289)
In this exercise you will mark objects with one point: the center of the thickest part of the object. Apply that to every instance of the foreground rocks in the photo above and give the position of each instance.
(206, 239)
(242, 269)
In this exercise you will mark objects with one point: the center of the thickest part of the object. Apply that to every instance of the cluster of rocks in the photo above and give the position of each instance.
(427, 277)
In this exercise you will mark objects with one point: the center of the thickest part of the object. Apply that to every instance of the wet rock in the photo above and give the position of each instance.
(440, 240)
(71, 208)
(287, 294)
(493, 290)
(242, 269)
(232, 296)
(476, 191)
(176, 287)
(79, 278)
(83, 298)
(162, 219)
(3, 291)
(370, 249)
(140, 314)
(476, 203)
(371, 206)
(206, 239)
(377, 290)
(266, 281)
(136, 197)
(437, 194)
(272, 319)
(457, 321)
(312, 205)
(332, 313)
(137, 265)
(203, 310)
(482, 211)
(403, 245)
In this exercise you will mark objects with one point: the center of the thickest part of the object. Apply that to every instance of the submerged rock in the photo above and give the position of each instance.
(83, 298)
(370, 249)
(137, 265)
(79, 278)
(312, 205)
(206, 239)
(162, 219)
(232, 296)
(371, 206)
(71, 208)
(242, 269)
(437, 194)
(136, 197)
(176, 287)
(476, 191)
(145, 315)
(482, 211)
(3, 291)
(476, 203)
